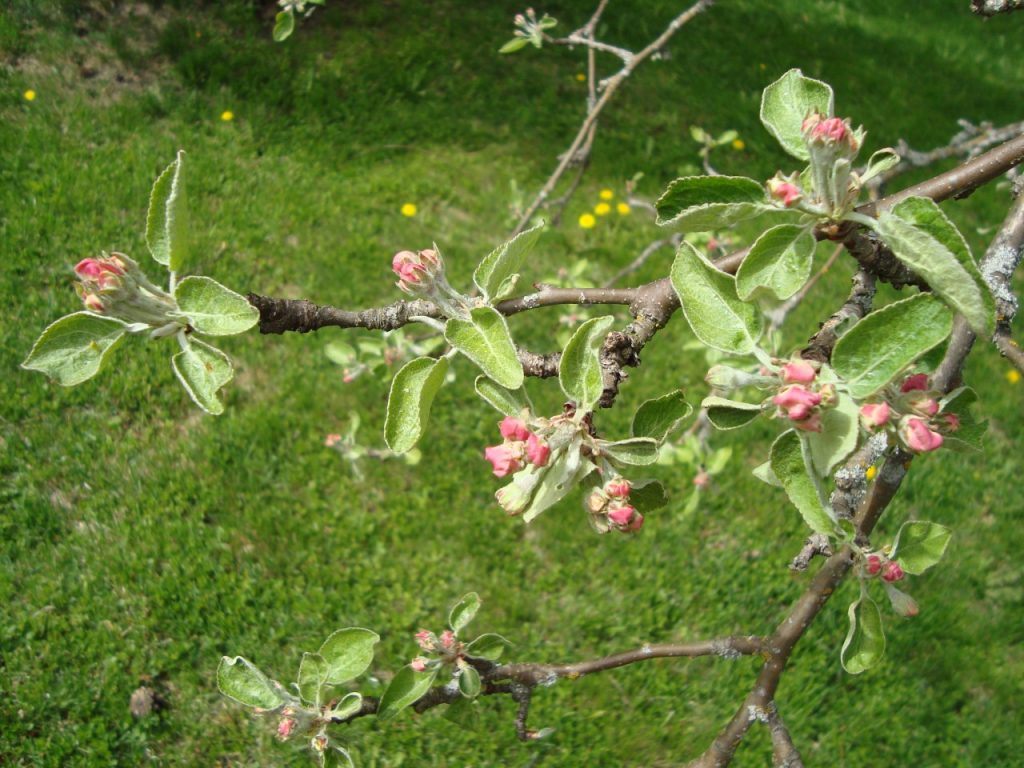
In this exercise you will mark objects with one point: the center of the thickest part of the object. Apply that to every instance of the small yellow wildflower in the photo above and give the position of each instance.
(738, 144)
(870, 474)
(623, 209)
(30, 95)
(606, 194)
(587, 221)
(602, 209)
(581, 77)
(1013, 377)
(227, 115)
(409, 209)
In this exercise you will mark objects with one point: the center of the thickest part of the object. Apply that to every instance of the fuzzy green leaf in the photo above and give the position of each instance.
(791, 464)
(74, 348)
(883, 344)
(564, 470)
(167, 220)
(505, 261)
(648, 496)
(579, 370)
(660, 416)
(919, 545)
(510, 402)
(778, 263)
(213, 309)
(715, 313)
(469, 682)
(202, 371)
(730, 414)
(485, 339)
(312, 677)
(786, 102)
(284, 25)
(348, 652)
(241, 680)
(412, 393)
(488, 646)
(865, 642)
(636, 451)
(703, 203)
(463, 612)
(407, 687)
(840, 428)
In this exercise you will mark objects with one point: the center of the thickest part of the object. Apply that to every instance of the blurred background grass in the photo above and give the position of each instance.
(141, 540)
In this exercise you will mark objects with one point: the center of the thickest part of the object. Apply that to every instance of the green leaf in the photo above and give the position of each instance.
(660, 416)
(710, 304)
(579, 370)
(703, 203)
(778, 263)
(167, 226)
(505, 261)
(648, 496)
(348, 652)
(513, 45)
(564, 470)
(284, 25)
(883, 344)
(880, 162)
(488, 646)
(485, 339)
(463, 611)
(920, 545)
(925, 215)
(510, 402)
(971, 432)
(730, 414)
(202, 371)
(348, 706)
(213, 309)
(786, 102)
(407, 687)
(763, 472)
(469, 682)
(241, 680)
(865, 642)
(412, 394)
(791, 464)
(75, 347)
(312, 677)
(636, 451)
(840, 428)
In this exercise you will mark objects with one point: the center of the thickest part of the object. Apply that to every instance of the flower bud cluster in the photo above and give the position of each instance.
(115, 286)
(801, 398)
(443, 649)
(913, 413)
(609, 507)
(877, 564)
(520, 446)
(421, 273)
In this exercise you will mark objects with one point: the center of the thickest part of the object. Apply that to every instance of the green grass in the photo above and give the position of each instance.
(141, 541)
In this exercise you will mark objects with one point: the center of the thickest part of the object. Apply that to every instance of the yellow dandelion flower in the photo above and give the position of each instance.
(606, 194)
(409, 209)
(602, 209)
(587, 221)
(30, 95)
(623, 209)
(870, 474)
(581, 77)
(1013, 377)
(738, 144)
(227, 115)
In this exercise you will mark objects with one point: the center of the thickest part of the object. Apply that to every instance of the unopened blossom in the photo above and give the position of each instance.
(419, 664)
(426, 640)
(619, 487)
(596, 501)
(926, 406)
(798, 372)
(537, 450)
(505, 459)
(513, 429)
(702, 479)
(810, 424)
(621, 516)
(874, 564)
(797, 401)
(285, 727)
(102, 274)
(917, 381)
(874, 414)
(93, 303)
(636, 524)
(416, 269)
(332, 439)
(892, 572)
(918, 437)
(952, 421)
(447, 639)
(784, 191)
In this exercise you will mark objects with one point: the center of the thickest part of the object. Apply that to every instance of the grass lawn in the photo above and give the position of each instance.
(141, 540)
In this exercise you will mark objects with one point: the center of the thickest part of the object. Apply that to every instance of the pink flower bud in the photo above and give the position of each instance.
(786, 192)
(419, 664)
(874, 414)
(874, 564)
(637, 524)
(332, 439)
(621, 516)
(426, 640)
(952, 421)
(926, 406)
(93, 303)
(505, 458)
(513, 429)
(832, 129)
(917, 381)
(798, 372)
(619, 487)
(712, 245)
(285, 727)
(796, 395)
(918, 437)
(447, 639)
(702, 479)
(416, 269)
(596, 502)
(892, 572)
(811, 424)
(105, 274)
(810, 122)
(537, 450)
(799, 412)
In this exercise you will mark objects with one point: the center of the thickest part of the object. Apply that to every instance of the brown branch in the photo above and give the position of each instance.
(784, 753)
(819, 347)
